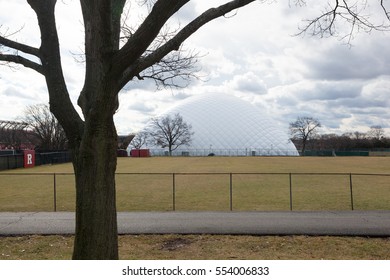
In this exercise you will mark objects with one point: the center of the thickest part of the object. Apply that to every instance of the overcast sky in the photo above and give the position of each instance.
(251, 54)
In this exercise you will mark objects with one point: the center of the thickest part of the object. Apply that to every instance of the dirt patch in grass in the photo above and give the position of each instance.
(203, 247)
(175, 243)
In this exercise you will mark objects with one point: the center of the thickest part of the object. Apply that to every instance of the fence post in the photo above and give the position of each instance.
(351, 190)
(173, 192)
(55, 192)
(291, 205)
(231, 192)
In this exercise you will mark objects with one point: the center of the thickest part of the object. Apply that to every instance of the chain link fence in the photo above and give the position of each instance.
(205, 191)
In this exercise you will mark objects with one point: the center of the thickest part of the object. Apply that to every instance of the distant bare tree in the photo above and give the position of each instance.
(170, 132)
(376, 132)
(359, 135)
(46, 131)
(303, 129)
(139, 140)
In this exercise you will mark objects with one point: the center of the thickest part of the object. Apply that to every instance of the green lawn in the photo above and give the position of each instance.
(250, 192)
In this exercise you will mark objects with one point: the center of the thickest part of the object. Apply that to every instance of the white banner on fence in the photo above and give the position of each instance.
(143, 270)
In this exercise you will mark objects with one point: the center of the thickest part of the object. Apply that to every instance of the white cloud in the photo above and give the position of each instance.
(248, 82)
(251, 54)
(142, 107)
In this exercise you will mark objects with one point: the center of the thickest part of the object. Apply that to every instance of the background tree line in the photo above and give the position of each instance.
(349, 141)
(306, 136)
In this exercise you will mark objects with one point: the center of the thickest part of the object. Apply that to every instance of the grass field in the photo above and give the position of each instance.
(210, 192)
(250, 192)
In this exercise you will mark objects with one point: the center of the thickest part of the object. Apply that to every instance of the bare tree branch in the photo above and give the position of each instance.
(23, 61)
(176, 69)
(144, 36)
(60, 102)
(387, 13)
(18, 46)
(174, 44)
(354, 14)
(11, 49)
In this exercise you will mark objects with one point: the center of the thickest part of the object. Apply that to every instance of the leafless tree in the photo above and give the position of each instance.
(139, 140)
(376, 132)
(303, 129)
(109, 65)
(170, 132)
(176, 69)
(45, 131)
(359, 135)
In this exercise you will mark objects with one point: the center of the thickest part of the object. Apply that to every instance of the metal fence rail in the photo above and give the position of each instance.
(294, 184)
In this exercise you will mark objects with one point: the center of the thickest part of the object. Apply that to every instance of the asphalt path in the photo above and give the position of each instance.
(339, 223)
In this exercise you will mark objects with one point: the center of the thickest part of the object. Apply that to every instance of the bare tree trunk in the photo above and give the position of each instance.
(95, 164)
(304, 140)
(96, 222)
(109, 68)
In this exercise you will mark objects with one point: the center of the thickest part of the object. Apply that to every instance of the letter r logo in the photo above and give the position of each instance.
(29, 159)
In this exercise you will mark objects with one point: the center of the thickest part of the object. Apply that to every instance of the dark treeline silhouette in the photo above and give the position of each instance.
(356, 141)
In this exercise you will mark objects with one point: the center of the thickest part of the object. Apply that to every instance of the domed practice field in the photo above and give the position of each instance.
(228, 126)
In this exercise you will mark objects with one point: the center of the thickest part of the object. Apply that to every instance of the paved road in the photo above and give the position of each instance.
(368, 223)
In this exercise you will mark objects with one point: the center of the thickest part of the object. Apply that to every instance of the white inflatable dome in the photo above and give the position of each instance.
(228, 126)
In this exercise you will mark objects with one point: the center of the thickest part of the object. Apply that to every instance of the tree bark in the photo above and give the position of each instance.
(93, 141)
(96, 222)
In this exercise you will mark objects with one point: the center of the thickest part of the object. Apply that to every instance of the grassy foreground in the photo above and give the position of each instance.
(203, 247)
(251, 192)
(260, 192)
